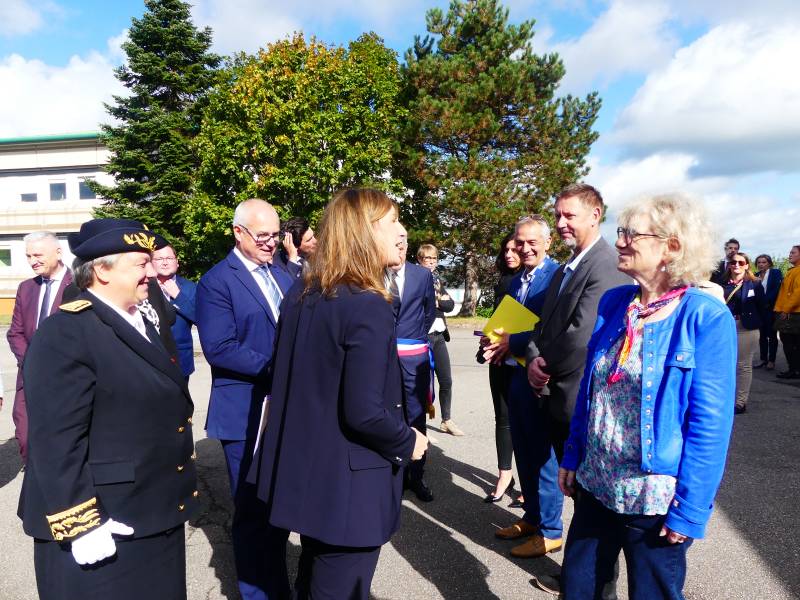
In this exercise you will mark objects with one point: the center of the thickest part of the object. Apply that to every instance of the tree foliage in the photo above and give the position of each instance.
(291, 125)
(168, 71)
(487, 139)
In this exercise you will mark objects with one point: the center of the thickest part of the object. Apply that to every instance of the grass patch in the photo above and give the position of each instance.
(5, 320)
(468, 322)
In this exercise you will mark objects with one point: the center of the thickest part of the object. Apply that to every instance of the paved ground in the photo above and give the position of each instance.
(446, 549)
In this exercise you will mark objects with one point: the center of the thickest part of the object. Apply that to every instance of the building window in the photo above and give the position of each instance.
(58, 191)
(31, 197)
(5, 257)
(84, 191)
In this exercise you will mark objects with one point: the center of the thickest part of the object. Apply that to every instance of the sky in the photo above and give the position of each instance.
(700, 97)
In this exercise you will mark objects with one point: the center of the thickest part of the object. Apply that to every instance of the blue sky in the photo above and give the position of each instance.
(696, 93)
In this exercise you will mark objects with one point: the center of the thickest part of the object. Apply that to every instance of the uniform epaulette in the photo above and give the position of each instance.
(75, 306)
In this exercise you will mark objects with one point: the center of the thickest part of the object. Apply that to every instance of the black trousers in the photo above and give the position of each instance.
(441, 365)
(499, 379)
(768, 340)
(791, 347)
(152, 567)
(328, 572)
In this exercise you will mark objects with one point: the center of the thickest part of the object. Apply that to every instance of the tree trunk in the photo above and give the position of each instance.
(470, 302)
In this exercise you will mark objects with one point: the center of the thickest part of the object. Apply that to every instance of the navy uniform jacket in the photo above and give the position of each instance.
(237, 333)
(330, 461)
(533, 300)
(110, 431)
(184, 305)
(414, 320)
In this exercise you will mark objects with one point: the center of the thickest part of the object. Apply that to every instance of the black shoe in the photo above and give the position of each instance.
(788, 375)
(548, 583)
(422, 491)
(760, 365)
(739, 410)
(490, 498)
(515, 503)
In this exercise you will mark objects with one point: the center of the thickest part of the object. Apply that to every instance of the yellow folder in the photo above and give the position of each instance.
(512, 317)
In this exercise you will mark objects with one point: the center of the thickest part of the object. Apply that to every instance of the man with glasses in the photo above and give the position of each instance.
(238, 306)
(731, 248)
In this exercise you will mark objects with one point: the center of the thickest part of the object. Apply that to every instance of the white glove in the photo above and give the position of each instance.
(98, 544)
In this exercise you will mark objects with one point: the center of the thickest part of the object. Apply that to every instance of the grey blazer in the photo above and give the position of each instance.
(567, 322)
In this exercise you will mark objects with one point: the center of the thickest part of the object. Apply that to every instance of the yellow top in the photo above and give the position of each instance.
(788, 300)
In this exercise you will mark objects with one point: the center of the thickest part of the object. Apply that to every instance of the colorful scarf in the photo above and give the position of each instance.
(636, 311)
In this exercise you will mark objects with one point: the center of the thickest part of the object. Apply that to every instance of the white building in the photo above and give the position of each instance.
(42, 186)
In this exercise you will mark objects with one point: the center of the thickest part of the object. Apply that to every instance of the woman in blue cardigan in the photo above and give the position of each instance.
(654, 412)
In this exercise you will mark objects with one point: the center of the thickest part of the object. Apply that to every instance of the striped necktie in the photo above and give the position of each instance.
(274, 295)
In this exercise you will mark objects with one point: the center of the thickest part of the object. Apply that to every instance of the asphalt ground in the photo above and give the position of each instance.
(447, 549)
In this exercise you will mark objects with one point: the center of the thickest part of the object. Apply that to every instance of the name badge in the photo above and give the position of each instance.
(751, 293)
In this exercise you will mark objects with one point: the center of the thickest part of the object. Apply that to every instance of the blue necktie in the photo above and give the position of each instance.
(273, 291)
(45, 309)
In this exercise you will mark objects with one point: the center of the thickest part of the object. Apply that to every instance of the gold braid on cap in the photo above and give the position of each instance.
(148, 242)
(73, 521)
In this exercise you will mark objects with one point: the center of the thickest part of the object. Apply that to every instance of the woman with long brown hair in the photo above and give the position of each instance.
(336, 442)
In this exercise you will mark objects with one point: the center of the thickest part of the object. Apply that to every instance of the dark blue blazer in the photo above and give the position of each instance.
(754, 304)
(414, 319)
(773, 287)
(237, 333)
(184, 305)
(329, 465)
(533, 300)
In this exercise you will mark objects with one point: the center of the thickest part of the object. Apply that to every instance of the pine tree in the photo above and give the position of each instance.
(487, 139)
(168, 71)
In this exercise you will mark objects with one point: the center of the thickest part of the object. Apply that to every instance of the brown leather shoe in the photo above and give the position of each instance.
(536, 546)
(517, 530)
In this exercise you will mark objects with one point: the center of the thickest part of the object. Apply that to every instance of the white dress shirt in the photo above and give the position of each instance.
(57, 278)
(262, 285)
(134, 319)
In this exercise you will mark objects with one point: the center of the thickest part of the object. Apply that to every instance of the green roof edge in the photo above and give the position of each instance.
(63, 137)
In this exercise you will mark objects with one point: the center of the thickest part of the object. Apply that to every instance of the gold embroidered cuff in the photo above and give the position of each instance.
(75, 520)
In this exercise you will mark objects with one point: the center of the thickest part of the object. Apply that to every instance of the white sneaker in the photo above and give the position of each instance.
(451, 428)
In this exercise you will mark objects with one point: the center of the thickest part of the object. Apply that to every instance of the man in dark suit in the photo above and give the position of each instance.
(415, 311)
(731, 248)
(536, 464)
(111, 450)
(37, 298)
(238, 305)
(180, 293)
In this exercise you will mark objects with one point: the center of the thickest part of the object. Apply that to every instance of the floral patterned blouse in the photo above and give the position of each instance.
(611, 470)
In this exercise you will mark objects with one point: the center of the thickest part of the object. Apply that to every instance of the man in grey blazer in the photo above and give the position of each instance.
(556, 351)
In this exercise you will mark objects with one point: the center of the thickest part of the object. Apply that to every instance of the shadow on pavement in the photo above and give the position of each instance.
(759, 490)
(10, 461)
(433, 551)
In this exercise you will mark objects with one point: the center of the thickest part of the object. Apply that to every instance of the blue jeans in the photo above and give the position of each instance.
(656, 568)
(536, 461)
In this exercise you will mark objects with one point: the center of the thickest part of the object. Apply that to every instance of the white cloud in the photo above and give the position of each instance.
(630, 37)
(48, 99)
(730, 98)
(18, 17)
(755, 219)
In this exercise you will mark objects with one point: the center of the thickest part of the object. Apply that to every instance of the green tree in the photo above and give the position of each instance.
(291, 125)
(487, 139)
(168, 72)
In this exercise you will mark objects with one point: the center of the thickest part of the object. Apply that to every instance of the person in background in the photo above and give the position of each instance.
(745, 298)
(771, 280)
(298, 245)
(507, 264)
(180, 293)
(438, 336)
(36, 299)
(653, 418)
(787, 316)
(731, 248)
(331, 463)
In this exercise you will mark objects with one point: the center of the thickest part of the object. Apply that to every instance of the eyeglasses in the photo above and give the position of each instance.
(741, 263)
(263, 238)
(164, 259)
(630, 236)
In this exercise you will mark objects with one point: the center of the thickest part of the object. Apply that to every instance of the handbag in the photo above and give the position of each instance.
(791, 325)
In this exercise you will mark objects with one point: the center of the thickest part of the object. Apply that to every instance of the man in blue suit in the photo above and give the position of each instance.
(180, 293)
(415, 311)
(238, 306)
(543, 499)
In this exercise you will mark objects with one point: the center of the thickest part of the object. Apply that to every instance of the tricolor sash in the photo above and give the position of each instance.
(408, 347)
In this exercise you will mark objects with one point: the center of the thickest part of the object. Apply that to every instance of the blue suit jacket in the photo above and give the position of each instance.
(330, 463)
(414, 319)
(533, 301)
(237, 333)
(184, 305)
(754, 304)
(773, 287)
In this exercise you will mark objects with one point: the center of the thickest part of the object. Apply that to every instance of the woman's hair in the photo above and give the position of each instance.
(83, 270)
(677, 217)
(347, 251)
(748, 274)
(296, 227)
(426, 248)
(500, 261)
(767, 256)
